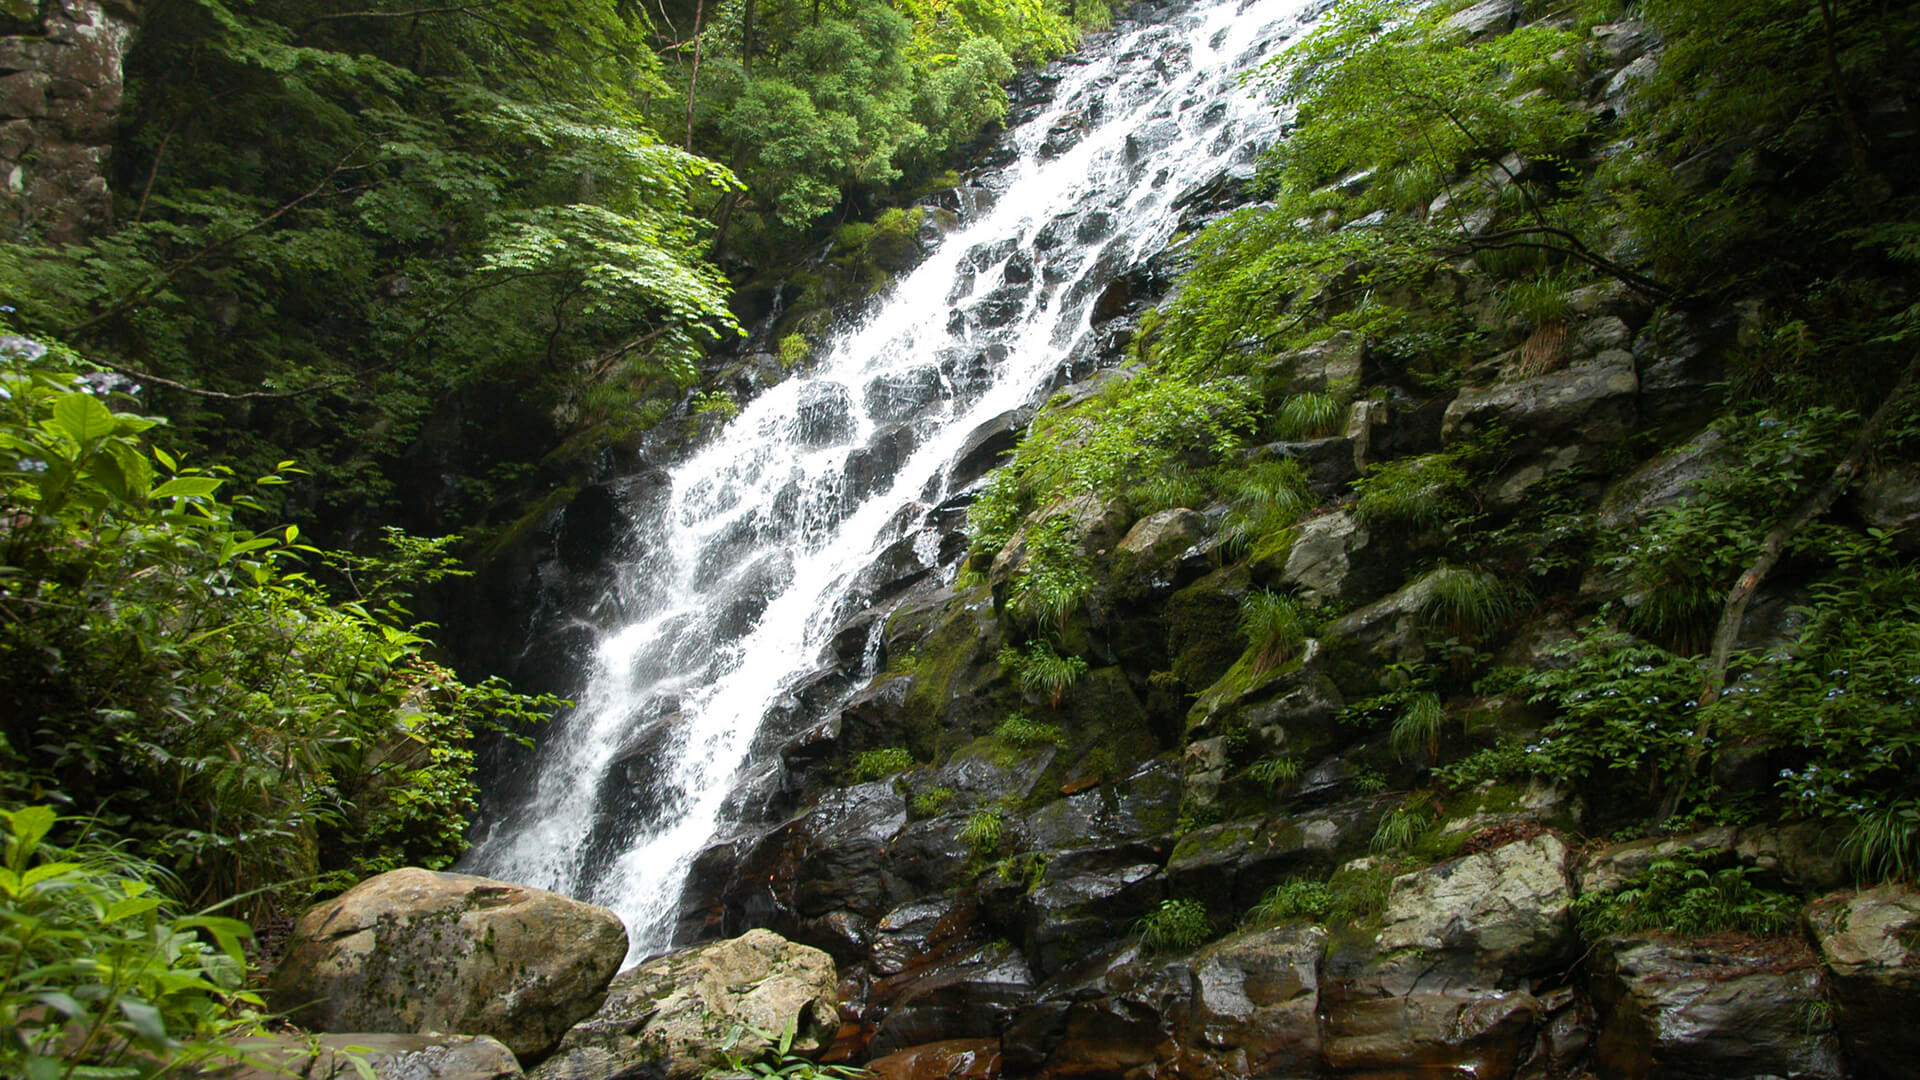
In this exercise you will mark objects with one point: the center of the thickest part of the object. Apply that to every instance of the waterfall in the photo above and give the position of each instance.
(753, 555)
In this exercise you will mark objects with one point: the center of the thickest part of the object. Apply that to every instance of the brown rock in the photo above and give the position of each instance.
(417, 951)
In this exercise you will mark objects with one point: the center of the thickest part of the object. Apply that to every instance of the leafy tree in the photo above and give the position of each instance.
(181, 678)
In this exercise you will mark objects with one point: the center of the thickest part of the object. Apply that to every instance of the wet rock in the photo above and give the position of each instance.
(972, 999)
(1869, 942)
(1149, 560)
(1710, 1011)
(1331, 462)
(903, 395)
(1255, 1004)
(1324, 365)
(1389, 631)
(1407, 1017)
(1615, 866)
(830, 860)
(949, 1059)
(1800, 854)
(1682, 363)
(873, 467)
(1333, 559)
(60, 90)
(390, 1057)
(677, 1016)
(824, 416)
(985, 444)
(1069, 915)
(1588, 402)
(1626, 41)
(417, 951)
(1231, 865)
(1510, 910)
(1143, 805)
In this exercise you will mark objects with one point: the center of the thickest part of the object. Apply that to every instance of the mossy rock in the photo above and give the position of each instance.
(1199, 621)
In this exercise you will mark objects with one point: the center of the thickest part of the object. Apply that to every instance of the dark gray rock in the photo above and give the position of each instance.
(1697, 1011)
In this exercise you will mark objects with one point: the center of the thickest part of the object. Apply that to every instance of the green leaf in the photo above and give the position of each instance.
(145, 1019)
(188, 486)
(82, 418)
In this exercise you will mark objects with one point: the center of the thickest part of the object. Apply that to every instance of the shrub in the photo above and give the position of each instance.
(984, 831)
(1417, 729)
(1056, 576)
(1018, 730)
(1684, 895)
(874, 764)
(1040, 670)
(1413, 493)
(1293, 899)
(244, 724)
(101, 977)
(1272, 626)
(1308, 416)
(1174, 925)
(1467, 604)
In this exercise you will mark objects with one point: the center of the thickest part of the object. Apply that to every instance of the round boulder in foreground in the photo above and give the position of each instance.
(416, 951)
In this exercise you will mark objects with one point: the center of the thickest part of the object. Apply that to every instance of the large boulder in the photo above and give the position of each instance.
(1255, 1004)
(418, 951)
(1870, 944)
(1510, 909)
(679, 1015)
(1716, 1010)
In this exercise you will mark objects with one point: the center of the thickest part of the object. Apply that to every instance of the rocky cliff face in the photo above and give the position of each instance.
(60, 63)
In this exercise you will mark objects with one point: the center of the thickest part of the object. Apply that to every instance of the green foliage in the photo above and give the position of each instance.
(180, 677)
(1405, 824)
(1369, 781)
(1275, 771)
(1682, 560)
(101, 976)
(778, 1061)
(1308, 416)
(930, 803)
(1416, 730)
(1272, 625)
(1684, 895)
(1135, 427)
(1265, 499)
(794, 351)
(1293, 900)
(984, 831)
(1413, 493)
(1041, 671)
(1505, 761)
(366, 217)
(1019, 731)
(718, 403)
(1173, 926)
(1055, 577)
(886, 761)
(1466, 603)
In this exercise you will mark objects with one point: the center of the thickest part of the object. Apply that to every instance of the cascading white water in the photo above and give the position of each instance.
(748, 567)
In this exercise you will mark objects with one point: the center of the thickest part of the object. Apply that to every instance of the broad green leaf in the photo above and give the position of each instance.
(82, 418)
(188, 486)
(145, 1019)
